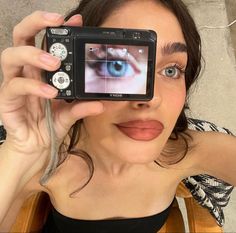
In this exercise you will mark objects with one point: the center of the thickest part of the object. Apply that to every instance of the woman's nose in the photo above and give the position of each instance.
(155, 102)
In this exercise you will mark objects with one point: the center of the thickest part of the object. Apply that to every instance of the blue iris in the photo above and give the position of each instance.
(171, 71)
(117, 68)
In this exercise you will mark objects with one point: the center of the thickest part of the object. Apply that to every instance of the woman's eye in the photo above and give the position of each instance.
(172, 72)
(114, 69)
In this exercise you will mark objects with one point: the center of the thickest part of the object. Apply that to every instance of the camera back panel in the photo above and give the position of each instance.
(102, 63)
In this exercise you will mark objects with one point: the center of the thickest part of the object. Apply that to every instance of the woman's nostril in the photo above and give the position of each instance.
(143, 105)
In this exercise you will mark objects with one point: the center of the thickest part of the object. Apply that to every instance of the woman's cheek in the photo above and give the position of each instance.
(176, 100)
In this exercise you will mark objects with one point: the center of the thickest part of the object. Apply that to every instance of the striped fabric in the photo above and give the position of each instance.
(210, 192)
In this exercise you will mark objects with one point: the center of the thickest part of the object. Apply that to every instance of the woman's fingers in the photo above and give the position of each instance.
(14, 59)
(19, 63)
(67, 114)
(18, 87)
(75, 20)
(24, 33)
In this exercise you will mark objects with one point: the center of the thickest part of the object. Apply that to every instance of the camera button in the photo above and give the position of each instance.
(61, 80)
(137, 35)
(68, 68)
(59, 50)
(59, 31)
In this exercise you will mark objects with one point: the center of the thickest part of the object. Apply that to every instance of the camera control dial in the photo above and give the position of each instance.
(59, 50)
(61, 80)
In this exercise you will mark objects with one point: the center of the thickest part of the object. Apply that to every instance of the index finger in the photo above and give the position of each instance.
(24, 33)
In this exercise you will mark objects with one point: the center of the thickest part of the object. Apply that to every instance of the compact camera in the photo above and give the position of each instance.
(102, 63)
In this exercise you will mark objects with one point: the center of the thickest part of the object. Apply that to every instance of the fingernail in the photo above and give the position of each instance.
(100, 109)
(52, 16)
(49, 59)
(76, 17)
(103, 108)
(47, 89)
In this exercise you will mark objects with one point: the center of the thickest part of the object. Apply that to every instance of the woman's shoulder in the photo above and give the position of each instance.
(72, 167)
(205, 139)
(203, 134)
(73, 172)
(206, 126)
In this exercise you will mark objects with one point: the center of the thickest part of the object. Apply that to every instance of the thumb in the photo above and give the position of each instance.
(69, 114)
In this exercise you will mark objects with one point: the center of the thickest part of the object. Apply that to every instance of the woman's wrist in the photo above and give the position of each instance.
(12, 161)
(18, 162)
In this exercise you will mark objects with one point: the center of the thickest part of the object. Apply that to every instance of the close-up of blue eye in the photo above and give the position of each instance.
(114, 69)
(117, 68)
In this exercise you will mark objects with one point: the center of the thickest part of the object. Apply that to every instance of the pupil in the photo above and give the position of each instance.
(170, 72)
(117, 68)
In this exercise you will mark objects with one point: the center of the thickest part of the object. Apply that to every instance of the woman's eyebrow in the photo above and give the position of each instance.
(176, 47)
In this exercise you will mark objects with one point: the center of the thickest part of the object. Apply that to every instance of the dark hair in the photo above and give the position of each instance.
(95, 12)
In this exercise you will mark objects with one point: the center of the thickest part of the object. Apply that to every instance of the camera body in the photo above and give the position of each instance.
(102, 63)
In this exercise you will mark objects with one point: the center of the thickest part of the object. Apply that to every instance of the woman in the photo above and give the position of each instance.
(140, 150)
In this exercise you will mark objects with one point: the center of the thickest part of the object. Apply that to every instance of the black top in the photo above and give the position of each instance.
(58, 223)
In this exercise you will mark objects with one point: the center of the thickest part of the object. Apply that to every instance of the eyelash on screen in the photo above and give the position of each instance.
(99, 60)
(93, 64)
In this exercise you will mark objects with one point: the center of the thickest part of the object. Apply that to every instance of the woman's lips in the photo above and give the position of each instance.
(141, 130)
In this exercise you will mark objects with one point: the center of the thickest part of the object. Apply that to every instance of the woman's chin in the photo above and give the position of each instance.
(137, 155)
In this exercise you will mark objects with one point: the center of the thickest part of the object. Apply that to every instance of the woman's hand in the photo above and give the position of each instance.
(23, 93)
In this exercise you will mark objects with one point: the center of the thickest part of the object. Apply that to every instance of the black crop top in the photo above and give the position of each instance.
(58, 223)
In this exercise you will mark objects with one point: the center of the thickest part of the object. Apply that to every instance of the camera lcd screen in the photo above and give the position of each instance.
(118, 69)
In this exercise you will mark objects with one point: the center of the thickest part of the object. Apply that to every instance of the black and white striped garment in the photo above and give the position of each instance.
(2, 134)
(210, 192)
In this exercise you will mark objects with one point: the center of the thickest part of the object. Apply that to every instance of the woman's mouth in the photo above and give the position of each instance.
(141, 130)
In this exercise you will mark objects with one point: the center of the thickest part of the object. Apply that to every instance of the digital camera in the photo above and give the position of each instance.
(102, 63)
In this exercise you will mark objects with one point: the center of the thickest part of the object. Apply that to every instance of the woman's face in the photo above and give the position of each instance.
(137, 131)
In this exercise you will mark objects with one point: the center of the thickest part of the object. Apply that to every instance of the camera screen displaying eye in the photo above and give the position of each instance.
(118, 69)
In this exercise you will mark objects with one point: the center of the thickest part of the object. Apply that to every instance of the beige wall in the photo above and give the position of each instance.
(214, 98)
(231, 12)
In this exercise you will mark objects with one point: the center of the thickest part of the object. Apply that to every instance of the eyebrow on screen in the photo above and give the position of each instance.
(176, 47)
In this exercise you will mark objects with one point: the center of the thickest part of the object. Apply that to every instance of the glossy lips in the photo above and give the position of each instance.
(141, 130)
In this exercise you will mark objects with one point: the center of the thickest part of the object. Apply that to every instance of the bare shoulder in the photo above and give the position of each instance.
(27, 191)
(210, 141)
(210, 153)
(71, 174)
(64, 181)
